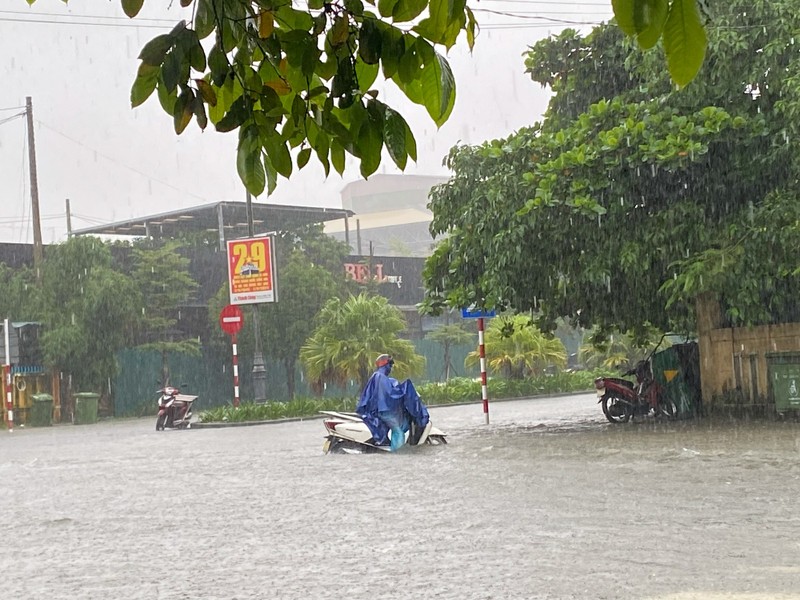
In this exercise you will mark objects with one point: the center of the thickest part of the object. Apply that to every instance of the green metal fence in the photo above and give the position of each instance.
(210, 377)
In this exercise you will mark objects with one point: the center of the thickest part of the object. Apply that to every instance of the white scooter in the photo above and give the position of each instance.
(348, 434)
(174, 409)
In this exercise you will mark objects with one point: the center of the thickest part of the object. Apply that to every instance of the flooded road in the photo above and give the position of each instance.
(548, 501)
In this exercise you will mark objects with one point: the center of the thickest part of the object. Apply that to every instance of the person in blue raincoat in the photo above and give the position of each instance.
(389, 407)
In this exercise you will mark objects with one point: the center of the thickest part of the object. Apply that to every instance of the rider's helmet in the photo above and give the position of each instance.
(384, 359)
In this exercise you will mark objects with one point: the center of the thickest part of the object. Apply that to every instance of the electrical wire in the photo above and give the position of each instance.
(116, 162)
(74, 16)
(55, 22)
(11, 118)
(12, 108)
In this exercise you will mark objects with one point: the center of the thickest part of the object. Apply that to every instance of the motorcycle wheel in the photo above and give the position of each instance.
(667, 409)
(616, 410)
(160, 421)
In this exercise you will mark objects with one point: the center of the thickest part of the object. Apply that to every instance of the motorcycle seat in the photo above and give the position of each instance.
(620, 381)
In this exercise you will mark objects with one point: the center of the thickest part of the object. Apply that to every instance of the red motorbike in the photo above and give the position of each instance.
(623, 399)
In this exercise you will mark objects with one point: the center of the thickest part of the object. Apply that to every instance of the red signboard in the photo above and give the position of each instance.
(231, 319)
(251, 271)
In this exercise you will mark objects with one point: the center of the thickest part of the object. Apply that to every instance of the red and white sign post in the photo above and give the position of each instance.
(484, 388)
(231, 320)
(9, 402)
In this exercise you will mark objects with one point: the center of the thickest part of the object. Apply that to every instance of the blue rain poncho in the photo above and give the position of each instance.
(384, 394)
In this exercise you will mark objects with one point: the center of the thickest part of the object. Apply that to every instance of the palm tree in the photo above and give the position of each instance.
(348, 337)
(516, 348)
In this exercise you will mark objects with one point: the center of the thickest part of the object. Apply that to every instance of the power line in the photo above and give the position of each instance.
(53, 22)
(116, 162)
(74, 16)
(522, 16)
(13, 108)
(12, 117)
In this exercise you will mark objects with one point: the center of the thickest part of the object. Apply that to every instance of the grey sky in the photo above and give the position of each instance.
(114, 162)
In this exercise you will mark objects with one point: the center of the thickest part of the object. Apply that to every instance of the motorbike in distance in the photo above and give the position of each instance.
(623, 400)
(174, 409)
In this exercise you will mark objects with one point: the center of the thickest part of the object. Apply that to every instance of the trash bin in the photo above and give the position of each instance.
(41, 413)
(85, 408)
(783, 369)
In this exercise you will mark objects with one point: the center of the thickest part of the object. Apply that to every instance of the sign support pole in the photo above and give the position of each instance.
(235, 372)
(9, 401)
(482, 354)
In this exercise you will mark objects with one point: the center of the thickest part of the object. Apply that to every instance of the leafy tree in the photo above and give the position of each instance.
(88, 311)
(20, 298)
(619, 351)
(300, 79)
(162, 277)
(516, 348)
(449, 335)
(350, 334)
(631, 201)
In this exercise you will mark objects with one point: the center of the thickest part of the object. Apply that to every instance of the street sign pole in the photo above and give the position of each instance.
(480, 315)
(231, 320)
(484, 387)
(235, 372)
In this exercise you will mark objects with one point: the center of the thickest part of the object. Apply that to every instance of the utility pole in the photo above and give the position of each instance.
(37, 224)
(69, 221)
(259, 372)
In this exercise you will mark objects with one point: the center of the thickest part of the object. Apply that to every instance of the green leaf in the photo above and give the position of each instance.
(302, 157)
(132, 7)
(366, 74)
(369, 42)
(182, 113)
(337, 156)
(278, 154)
(171, 71)
(394, 135)
(684, 41)
(144, 84)
(166, 98)
(248, 161)
(386, 7)
(407, 10)
(438, 87)
(206, 91)
(156, 49)
(392, 48)
(624, 13)
(650, 16)
(272, 175)
(204, 22)
(411, 144)
(370, 142)
(199, 110)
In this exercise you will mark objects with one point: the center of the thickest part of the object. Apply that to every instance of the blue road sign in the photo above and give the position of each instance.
(468, 313)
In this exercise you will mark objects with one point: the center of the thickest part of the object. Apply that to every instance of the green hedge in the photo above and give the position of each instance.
(460, 389)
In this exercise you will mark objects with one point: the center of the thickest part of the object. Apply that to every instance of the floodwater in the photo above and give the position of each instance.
(548, 501)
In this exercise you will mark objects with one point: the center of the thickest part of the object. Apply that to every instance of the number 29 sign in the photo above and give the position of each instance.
(251, 271)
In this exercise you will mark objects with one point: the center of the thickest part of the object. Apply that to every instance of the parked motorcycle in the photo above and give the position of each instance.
(348, 434)
(174, 409)
(623, 399)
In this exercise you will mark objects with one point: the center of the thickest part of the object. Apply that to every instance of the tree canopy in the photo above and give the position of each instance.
(297, 82)
(630, 198)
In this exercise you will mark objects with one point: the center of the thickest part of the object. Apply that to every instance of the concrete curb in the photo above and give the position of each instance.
(221, 425)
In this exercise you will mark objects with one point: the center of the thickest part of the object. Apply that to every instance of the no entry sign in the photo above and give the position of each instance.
(231, 319)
